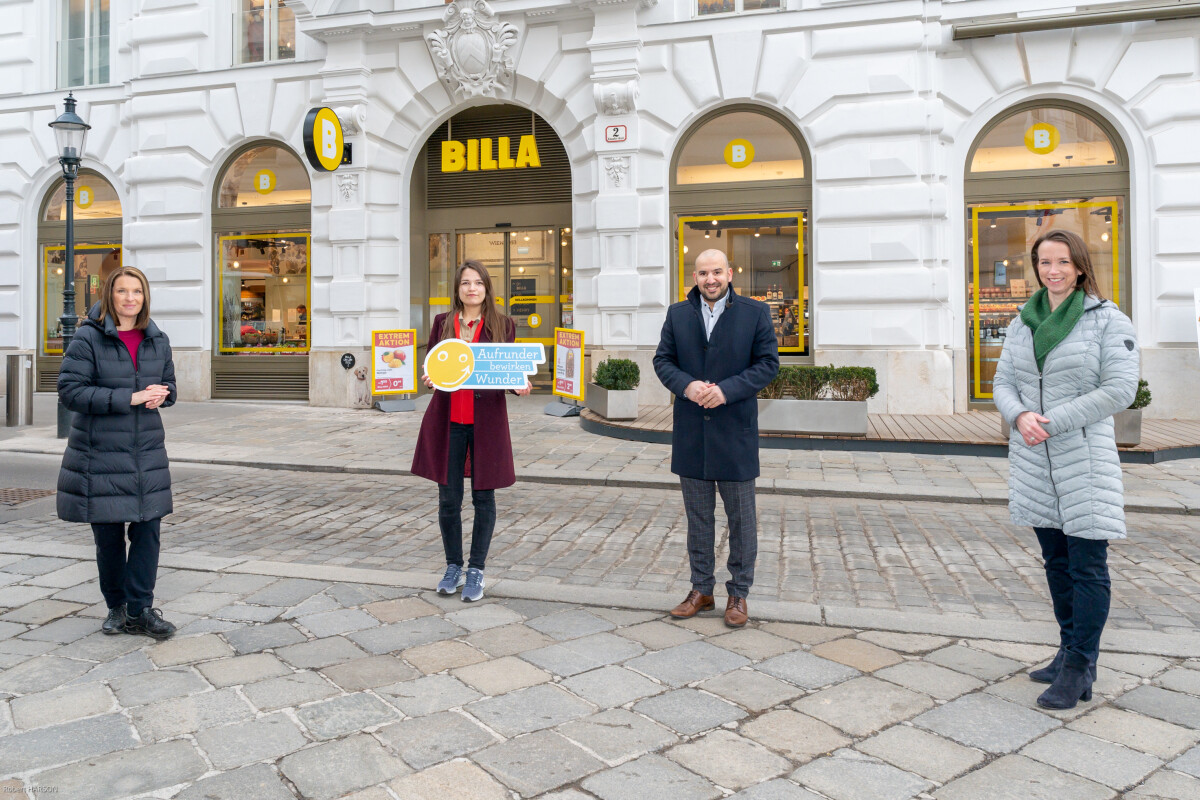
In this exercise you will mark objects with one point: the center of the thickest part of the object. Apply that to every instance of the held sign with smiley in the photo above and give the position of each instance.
(454, 364)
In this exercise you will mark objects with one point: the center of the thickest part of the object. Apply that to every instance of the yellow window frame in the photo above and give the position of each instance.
(976, 211)
(47, 250)
(684, 288)
(307, 294)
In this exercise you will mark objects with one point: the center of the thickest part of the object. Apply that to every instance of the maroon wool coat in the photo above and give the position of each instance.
(492, 458)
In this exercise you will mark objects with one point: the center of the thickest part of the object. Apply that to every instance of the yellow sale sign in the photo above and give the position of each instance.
(393, 362)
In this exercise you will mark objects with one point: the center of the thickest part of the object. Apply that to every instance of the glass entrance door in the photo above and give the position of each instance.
(527, 278)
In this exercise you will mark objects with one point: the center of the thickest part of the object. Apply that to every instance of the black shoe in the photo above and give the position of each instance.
(150, 623)
(1074, 683)
(115, 621)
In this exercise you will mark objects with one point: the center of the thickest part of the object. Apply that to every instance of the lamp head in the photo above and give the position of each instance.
(70, 132)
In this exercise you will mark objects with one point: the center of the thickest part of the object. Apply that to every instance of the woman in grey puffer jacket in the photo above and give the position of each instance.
(1070, 361)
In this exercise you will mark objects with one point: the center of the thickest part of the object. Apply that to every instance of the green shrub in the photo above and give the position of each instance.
(815, 382)
(1142, 398)
(853, 383)
(617, 375)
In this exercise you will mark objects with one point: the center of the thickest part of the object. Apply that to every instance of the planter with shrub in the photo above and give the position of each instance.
(817, 400)
(613, 391)
(1127, 424)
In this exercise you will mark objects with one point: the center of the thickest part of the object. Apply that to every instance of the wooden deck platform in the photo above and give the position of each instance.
(973, 433)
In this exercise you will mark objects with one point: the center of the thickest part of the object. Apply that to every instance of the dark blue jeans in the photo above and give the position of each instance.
(127, 578)
(1077, 572)
(450, 497)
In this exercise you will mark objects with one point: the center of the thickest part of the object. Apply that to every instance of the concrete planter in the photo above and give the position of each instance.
(833, 417)
(612, 404)
(1127, 427)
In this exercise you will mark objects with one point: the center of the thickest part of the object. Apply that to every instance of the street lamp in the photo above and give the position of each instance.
(70, 132)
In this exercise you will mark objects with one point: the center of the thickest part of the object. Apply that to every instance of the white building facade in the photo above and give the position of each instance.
(875, 170)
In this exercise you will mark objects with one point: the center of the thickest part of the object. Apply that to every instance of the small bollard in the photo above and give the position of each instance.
(18, 390)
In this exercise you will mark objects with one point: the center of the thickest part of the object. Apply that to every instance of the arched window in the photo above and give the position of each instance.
(261, 227)
(741, 183)
(1039, 167)
(97, 216)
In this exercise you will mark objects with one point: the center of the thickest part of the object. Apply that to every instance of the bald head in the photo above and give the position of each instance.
(712, 275)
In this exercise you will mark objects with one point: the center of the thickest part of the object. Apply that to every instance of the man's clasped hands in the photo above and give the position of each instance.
(706, 395)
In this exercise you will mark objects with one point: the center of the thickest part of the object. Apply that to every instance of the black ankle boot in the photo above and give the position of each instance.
(1074, 683)
(1048, 673)
(150, 622)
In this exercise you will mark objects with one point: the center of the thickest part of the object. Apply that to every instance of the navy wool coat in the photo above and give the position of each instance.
(717, 444)
(491, 457)
(115, 467)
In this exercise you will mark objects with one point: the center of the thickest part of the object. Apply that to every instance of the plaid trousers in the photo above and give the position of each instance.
(700, 503)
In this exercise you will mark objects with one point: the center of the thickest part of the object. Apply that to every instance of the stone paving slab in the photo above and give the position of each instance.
(753, 714)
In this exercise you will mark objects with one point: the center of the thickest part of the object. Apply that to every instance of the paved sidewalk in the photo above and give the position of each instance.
(324, 688)
(556, 450)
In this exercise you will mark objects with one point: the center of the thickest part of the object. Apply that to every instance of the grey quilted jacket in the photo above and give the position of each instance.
(1072, 481)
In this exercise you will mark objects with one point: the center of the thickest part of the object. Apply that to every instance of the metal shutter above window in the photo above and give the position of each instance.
(549, 183)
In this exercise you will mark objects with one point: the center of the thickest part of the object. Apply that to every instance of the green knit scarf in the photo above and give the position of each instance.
(1050, 327)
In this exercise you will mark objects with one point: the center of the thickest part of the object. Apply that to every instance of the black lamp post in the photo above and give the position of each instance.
(70, 132)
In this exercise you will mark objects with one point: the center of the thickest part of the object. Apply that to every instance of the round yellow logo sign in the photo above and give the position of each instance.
(739, 153)
(535, 320)
(84, 196)
(323, 139)
(1041, 138)
(264, 181)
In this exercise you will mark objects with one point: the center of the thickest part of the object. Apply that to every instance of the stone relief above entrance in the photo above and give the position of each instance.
(472, 50)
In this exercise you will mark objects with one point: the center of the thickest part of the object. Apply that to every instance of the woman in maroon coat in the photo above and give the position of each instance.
(466, 433)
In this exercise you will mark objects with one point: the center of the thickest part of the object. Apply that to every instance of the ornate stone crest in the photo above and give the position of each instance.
(617, 98)
(617, 168)
(472, 50)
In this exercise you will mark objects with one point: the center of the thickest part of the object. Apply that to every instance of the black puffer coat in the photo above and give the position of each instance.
(115, 467)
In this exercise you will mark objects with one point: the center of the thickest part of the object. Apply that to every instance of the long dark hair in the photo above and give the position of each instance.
(109, 309)
(495, 322)
(1079, 257)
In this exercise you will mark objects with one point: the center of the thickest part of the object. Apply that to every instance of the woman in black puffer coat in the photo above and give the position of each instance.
(115, 376)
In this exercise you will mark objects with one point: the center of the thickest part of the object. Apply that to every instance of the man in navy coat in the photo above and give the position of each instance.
(718, 349)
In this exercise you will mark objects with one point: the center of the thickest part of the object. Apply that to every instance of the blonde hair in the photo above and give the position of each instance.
(107, 307)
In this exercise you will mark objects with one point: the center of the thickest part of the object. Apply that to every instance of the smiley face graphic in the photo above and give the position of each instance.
(449, 364)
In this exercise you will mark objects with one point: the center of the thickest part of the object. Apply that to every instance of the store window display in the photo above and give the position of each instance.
(741, 184)
(263, 242)
(97, 216)
(1035, 170)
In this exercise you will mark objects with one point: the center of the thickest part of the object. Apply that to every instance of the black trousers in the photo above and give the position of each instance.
(450, 497)
(1077, 572)
(127, 578)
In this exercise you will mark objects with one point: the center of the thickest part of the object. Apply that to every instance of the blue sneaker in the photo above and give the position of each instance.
(453, 579)
(474, 589)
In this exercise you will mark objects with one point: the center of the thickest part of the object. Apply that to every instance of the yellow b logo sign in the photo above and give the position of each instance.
(1041, 138)
(84, 196)
(323, 139)
(739, 153)
(264, 181)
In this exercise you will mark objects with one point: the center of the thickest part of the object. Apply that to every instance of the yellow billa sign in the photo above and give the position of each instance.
(739, 153)
(1041, 138)
(483, 154)
(84, 196)
(323, 139)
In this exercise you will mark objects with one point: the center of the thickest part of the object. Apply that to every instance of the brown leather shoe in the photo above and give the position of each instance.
(736, 614)
(693, 605)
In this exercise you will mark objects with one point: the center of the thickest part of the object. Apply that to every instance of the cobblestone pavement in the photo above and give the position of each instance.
(556, 449)
(912, 566)
(320, 688)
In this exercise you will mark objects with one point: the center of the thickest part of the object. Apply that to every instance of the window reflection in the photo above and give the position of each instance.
(263, 30)
(93, 263)
(740, 146)
(264, 176)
